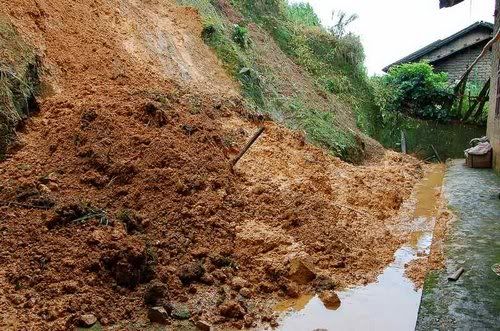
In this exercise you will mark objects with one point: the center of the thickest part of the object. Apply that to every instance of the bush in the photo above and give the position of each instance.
(240, 36)
(414, 89)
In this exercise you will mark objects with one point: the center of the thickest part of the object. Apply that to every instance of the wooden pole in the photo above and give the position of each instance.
(247, 146)
(482, 95)
(403, 142)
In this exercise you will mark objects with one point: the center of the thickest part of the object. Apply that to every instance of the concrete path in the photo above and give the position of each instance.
(472, 302)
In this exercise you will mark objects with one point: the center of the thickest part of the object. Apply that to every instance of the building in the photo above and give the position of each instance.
(454, 54)
(493, 131)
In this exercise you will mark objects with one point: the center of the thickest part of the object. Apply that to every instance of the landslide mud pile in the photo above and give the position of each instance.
(120, 206)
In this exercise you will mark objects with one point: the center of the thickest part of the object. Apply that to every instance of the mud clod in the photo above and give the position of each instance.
(130, 265)
(330, 299)
(158, 315)
(191, 272)
(231, 309)
(155, 293)
(301, 271)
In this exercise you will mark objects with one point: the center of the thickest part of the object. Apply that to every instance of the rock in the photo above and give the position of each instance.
(191, 272)
(301, 271)
(330, 299)
(158, 315)
(87, 320)
(155, 292)
(180, 312)
(203, 326)
(238, 283)
(245, 292)
(231, 309)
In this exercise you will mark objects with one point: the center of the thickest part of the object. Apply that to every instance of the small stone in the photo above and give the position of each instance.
(158, 315)
(330, 299)
(87, 320)
(203, 325)
(301, 271)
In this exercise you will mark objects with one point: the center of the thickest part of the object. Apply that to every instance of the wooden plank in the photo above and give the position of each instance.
(456, 275)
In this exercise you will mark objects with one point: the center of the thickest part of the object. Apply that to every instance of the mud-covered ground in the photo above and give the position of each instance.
(120, 198)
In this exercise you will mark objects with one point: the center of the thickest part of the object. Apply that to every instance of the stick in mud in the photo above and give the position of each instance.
(455, 276)
(247, 146)
(436, 153)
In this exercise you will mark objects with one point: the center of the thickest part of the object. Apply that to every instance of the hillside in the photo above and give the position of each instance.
(116, 193)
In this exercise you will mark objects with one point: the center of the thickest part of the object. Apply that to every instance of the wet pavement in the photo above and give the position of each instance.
(390, 303)
(473, 242)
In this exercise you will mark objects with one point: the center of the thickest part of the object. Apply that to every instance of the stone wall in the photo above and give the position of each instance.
(494, 114)
(456, 64)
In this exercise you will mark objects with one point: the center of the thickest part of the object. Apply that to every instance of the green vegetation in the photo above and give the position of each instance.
(18, 83)
(414, 89)
(332, 64)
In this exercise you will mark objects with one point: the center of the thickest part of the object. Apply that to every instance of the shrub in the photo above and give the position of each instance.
(240, 36)
(414, 89)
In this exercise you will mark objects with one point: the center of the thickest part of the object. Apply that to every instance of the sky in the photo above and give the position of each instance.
(392, 29)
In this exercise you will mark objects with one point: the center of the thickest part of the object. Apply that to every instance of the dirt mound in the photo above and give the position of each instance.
(124, 177)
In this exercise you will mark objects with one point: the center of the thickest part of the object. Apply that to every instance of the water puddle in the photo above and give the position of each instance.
(390, 303)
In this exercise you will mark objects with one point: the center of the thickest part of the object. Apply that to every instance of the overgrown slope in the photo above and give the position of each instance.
(293, 69)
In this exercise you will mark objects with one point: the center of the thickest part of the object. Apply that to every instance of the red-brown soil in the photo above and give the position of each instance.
(137, 130)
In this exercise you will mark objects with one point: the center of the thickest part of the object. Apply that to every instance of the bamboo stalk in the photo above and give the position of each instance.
(247, 146)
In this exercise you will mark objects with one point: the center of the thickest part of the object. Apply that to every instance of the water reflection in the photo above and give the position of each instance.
(391, 303)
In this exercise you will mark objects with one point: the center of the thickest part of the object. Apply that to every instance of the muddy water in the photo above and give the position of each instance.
(390, 303)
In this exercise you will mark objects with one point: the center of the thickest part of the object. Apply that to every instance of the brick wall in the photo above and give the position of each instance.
(456, 64)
